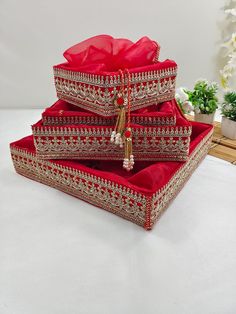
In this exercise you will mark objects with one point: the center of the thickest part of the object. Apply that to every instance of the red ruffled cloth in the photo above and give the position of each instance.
(105, 53)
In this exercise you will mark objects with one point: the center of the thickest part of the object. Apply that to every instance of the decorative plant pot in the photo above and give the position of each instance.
(228, 128)
(204, 117)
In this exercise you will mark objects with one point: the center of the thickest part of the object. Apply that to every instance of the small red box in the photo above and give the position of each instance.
(96, 92)
(139, 196)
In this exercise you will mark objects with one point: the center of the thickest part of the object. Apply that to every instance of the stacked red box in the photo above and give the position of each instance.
(87, 135)
(113, 86)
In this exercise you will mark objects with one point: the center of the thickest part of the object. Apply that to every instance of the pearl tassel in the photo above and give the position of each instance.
(116, 135)
(128, 162)
(122, 134)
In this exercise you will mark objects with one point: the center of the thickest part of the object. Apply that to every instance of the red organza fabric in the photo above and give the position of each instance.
(105, 53)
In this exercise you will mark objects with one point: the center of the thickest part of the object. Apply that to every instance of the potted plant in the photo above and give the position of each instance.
(204, 100)
(228, 111)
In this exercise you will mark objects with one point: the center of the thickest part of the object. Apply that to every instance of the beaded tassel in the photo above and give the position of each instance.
(116, 135)
(121, 103)
(128, 162)
(122, 134)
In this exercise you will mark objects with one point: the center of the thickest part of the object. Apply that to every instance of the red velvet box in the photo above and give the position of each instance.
(93, 142)
(62, 113)
(139, 196)
(96, 91)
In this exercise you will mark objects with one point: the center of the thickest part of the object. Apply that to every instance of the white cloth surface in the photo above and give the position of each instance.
(60, 255)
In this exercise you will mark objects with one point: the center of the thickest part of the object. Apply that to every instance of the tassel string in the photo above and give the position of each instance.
(122, 134)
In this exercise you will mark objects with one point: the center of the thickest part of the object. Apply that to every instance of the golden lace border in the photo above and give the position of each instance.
(157, 148)
(151, 131)
(181, 157)
(113, 80)
(77, 120)
(101, 99)
(107, 108)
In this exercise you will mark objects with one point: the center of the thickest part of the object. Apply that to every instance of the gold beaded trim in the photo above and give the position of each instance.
(95, 120)
(108, 109)
(148, 143)
(119, 199)
(114, 80)
(175, 131)
(97, 93)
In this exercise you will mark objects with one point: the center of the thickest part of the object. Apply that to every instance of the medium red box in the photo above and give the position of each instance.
(93, 142)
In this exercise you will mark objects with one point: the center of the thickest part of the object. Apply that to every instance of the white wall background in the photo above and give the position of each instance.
(34, 35)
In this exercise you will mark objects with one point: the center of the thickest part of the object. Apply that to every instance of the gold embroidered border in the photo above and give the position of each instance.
(109, 195)
(175, 131)
(148, 143)
(113, 80)
(93, 120)
(101, 99)
(108, 109)
(106, 156)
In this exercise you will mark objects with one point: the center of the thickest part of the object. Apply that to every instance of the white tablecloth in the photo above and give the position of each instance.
(60, 255)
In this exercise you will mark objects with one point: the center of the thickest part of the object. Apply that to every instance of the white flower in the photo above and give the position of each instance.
(181, 95)
(232, 60)
(187, 106)
(231, 14)
(231, 11)
(228, 72)
(230, 65)
(230, 45)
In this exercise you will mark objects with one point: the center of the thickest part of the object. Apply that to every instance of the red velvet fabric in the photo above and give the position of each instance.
(105, 53)
(147, 177)
(156, 110)
(180, 121)
(62, 108)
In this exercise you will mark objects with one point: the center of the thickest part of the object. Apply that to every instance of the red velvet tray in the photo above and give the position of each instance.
(96, 91)
(83, 141)
(139, 196)
(62, 113)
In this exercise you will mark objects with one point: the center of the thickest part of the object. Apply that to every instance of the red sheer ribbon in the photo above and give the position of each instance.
(106, 53)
